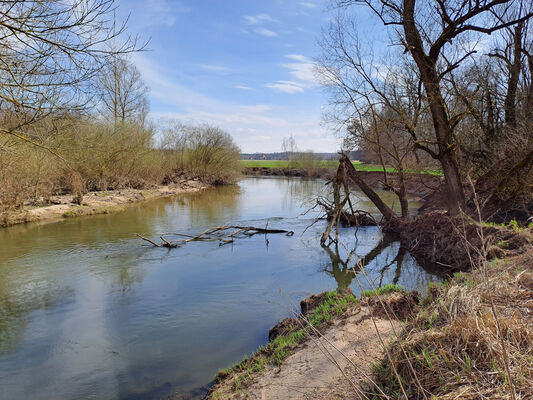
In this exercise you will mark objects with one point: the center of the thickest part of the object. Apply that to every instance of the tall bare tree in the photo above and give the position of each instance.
(429, 32)
(50, 51)
(123, 93)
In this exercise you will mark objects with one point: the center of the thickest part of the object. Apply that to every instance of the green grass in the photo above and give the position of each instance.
(390, 288)
(286, 164)
(331, 164)
(280, 348)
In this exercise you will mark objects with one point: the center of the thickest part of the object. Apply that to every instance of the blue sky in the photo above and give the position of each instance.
(244, 65)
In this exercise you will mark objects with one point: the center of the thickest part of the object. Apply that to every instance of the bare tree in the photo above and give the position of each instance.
(290, 148)
(377, 104)
(50, 51)
(123, 93)
(429, 31)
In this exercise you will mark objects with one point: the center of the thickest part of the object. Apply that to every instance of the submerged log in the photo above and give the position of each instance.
(223, 234)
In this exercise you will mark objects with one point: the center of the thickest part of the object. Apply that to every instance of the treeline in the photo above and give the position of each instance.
(452, 89)
(354, 155)
(74, 107)
(91, 155)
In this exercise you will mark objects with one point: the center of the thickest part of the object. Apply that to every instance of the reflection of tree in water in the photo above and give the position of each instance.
(301, 191)
(209, 206)
(343, 274)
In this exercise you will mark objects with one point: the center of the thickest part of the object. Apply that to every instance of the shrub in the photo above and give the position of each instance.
(204, 151)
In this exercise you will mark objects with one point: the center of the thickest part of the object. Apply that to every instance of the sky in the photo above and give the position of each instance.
(243, 65)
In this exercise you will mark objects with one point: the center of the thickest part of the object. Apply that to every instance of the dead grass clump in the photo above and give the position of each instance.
(398, 305)
(456, 346)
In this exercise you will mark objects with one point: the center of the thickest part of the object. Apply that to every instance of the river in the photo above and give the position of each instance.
(89, 311)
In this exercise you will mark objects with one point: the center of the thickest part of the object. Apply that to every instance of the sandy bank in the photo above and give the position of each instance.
(331, 365)
(95, 203)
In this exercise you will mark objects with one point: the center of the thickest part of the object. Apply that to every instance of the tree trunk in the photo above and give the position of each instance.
(514, 76)
(351, 173)
(455, 190)
(439, 112)
(402, 195)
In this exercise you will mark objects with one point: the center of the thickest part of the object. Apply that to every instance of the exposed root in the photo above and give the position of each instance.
(455, 243)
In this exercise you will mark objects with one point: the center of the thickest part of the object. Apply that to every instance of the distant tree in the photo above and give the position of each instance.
(289, 147)
(123, 93)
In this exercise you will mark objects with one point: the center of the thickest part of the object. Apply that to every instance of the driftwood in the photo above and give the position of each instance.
(223, 234)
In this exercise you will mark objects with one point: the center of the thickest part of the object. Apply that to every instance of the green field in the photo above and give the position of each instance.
(327, 164)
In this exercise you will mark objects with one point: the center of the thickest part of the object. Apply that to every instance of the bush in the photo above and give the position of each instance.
(87, 155)
(204, 151)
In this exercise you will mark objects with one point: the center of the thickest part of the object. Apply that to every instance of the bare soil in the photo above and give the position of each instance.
(325, 367)
(94, 203)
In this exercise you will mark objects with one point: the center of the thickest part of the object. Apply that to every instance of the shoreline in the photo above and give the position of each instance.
(97, 203)
(339, 340)
(392, 336)
(418, 185)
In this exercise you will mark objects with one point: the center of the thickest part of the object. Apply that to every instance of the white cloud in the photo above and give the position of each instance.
(303, 69)
(265, 32)
(257, 19)
(162, 12)
(254, 127)
(308, 4)
(243, 87)
(258, 108)
(285, 87)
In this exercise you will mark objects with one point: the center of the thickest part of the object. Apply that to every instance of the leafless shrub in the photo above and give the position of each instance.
(204, 151)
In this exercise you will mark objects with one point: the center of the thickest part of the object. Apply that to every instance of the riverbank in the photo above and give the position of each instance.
(96, 203)
(471, 338)
(326, 352)
(422, 185)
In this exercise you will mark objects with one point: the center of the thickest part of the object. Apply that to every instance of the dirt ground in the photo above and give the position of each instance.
(328, 367)
(94, 203)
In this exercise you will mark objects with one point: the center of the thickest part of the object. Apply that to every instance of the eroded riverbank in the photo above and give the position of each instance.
(327, 352)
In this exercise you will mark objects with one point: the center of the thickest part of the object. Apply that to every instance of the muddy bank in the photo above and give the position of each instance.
(95, 203)
(419, 185)
(335, 358)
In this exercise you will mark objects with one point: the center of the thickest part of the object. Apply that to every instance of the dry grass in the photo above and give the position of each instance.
(458, 345)
(87, 155)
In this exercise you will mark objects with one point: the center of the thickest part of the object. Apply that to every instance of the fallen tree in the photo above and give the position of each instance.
(224, 234)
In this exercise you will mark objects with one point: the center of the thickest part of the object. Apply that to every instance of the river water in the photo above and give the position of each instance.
(89, 311)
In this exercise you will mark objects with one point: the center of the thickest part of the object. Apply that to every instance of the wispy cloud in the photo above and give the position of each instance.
(257, 19)
(265, 32)
(162, 12)
(285, 87)
(254, 127)
(302, 69)
(308, 4)
(243, 87)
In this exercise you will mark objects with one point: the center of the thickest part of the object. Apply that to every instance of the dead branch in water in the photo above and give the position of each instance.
(219, 233)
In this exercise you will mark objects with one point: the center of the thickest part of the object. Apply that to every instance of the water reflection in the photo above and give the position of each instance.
(344, 268)
(87, 310)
